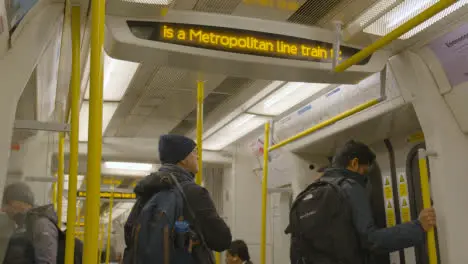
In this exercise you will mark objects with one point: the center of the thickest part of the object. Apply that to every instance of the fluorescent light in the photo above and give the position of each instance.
(117, 77)
(435, 18)
(374, 12)
(108, 111)
(402, 13)
(286, 97)
(128, 166)
(236, 129)
(150, 2)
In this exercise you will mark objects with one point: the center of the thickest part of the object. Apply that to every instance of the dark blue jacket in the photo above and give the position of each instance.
(372, 239)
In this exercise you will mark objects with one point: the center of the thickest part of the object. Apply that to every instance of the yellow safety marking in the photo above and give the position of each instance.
(403, 187)
(164, 11)
(388, 191)
(405, 211)
(389, 205)
(404, 203)
(416, 137)
(390, 218)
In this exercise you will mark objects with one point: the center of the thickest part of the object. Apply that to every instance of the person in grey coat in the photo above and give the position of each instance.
(353, 162)
(39, 222)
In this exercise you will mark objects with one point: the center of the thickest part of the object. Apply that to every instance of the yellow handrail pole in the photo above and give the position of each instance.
(426, 198)
(326, 123)
(74, 116)
(109, 224)
(54, 194)
(93, 177)
(266, 145)
(200, 98)
(396, 33)
(60, 176)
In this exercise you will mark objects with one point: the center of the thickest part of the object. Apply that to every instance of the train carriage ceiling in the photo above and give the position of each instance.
(162, 99)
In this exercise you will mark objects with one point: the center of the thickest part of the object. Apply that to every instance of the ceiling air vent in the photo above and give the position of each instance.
(312, 11)
(229, 87)
(217, 6)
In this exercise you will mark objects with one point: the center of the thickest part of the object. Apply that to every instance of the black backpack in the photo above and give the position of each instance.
(145, 228)
(78, 256)
(21, 249)
(321, 227)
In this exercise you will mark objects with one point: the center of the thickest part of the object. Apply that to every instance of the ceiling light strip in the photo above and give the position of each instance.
(396, 33)
(369, 17)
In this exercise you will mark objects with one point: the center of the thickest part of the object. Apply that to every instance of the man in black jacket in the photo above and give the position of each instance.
(353, 162)
(178, 155)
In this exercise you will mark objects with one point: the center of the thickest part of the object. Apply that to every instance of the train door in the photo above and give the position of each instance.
(415, 198)
(375, 190)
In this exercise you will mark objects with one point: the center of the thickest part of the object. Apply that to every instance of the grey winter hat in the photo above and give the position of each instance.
(18, 191)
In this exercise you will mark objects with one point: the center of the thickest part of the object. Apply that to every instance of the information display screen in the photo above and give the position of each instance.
(107, 195)
(240, 41)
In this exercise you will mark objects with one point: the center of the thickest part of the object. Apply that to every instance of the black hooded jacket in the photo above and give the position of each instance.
(215, 231)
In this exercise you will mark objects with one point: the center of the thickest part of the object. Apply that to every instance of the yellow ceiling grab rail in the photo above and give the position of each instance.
(396, 33)
(326, 123)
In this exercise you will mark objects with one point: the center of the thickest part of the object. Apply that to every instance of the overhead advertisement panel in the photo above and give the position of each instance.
(240, 41)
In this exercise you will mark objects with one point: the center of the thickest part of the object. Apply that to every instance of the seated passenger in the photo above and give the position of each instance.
(326, 230)
(238, 253)
(204, 229)
(36, 237)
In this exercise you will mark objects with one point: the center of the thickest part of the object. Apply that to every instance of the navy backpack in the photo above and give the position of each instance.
(153, 236)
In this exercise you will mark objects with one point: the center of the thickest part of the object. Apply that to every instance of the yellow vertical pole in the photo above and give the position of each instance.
(200, 98)
(60, 176)
(266, 146)
(54, 194)
(93, 177)
(426, 197)
(109, 224)
(75, 116)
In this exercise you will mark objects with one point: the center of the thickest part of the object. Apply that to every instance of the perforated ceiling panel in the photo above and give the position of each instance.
(312, 11)
(217, 6)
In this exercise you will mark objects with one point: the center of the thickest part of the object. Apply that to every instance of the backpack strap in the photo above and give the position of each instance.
(192, 214)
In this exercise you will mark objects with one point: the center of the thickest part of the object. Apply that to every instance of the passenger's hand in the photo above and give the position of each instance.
(427, 217)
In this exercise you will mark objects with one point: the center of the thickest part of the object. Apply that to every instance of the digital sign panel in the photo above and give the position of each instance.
(240, 41)
(107, 195)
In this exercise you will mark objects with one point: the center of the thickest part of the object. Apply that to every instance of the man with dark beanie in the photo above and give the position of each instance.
(36, 237)
(178, 155)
